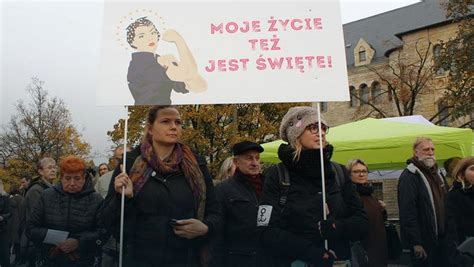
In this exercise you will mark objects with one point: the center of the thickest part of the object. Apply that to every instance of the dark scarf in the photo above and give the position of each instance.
(468, 189)
(255, 181)
(437, 189)
(365, 189)
(182, 158)
(431, 174)
(309, 163)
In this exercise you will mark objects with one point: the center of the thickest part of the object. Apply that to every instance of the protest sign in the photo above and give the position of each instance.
(222, 52)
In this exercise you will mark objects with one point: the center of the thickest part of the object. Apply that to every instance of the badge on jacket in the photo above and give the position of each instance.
(263, 215)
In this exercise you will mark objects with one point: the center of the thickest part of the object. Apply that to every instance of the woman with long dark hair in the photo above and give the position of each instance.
(170, 206)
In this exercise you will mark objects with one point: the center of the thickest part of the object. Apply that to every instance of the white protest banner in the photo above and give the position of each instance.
(222, 52)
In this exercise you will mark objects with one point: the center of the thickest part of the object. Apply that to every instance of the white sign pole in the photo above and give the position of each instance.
(122, 206)
(323, 179)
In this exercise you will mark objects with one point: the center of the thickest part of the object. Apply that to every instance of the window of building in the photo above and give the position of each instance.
(376, 91)
(364, 94)
(324, 106)
(362, 54)
(436, 56)
(352, 92)
(443, 114)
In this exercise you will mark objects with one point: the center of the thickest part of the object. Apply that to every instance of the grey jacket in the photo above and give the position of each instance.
(33, 194)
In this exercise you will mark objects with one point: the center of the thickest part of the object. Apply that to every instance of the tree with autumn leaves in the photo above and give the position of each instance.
(211, 130)
(41, 127)
(457, 57)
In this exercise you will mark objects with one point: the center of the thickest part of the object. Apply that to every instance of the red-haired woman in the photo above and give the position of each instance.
(170, 208)
(71, 206)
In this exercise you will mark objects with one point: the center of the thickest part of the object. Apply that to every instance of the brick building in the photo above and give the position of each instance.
(374, 43)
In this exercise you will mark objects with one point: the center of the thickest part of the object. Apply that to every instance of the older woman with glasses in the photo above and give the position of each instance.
(375, 244)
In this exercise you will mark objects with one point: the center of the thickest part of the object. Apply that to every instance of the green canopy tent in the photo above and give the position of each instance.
(386, 144)
(472, 145)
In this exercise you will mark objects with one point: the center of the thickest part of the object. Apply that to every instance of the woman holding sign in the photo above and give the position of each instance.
(65, 222)
(290, 217)
(170, 206)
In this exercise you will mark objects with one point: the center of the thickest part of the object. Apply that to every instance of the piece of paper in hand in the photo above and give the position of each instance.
(467, 246)
(55, 237)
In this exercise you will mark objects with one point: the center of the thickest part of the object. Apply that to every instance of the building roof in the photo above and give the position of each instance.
(381, 30)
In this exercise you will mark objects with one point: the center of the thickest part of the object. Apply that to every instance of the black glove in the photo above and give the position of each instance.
(328, 259)
(328, 229)
(322, 257)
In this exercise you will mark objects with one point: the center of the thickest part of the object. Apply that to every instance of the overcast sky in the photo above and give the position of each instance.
(59, 42)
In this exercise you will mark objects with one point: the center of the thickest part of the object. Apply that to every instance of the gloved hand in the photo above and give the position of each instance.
(328, 229)
(322, 257)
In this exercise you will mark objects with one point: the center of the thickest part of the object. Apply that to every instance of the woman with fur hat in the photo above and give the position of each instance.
(293, 228)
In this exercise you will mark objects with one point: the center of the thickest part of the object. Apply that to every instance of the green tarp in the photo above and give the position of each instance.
(385, 144)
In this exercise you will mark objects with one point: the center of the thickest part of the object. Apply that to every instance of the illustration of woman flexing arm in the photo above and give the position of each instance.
(152, 77)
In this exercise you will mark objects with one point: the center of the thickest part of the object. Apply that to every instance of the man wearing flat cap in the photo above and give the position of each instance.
(239, 196)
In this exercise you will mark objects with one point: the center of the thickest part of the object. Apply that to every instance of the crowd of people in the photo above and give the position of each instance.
(305, 211)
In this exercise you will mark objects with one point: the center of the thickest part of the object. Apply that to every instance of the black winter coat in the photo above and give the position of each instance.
(459, 221)
(292, 232)
(33, 194)
(4, 212)
(417, 218)
(237, 244)
(149, 238)
(460, 213)
(79, 214)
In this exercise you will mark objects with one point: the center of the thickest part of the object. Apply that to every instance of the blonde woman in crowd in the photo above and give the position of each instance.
(226, 170)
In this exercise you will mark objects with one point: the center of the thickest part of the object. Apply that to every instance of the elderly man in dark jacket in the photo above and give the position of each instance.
(421, 195)
(237, 244)
(72, 207)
